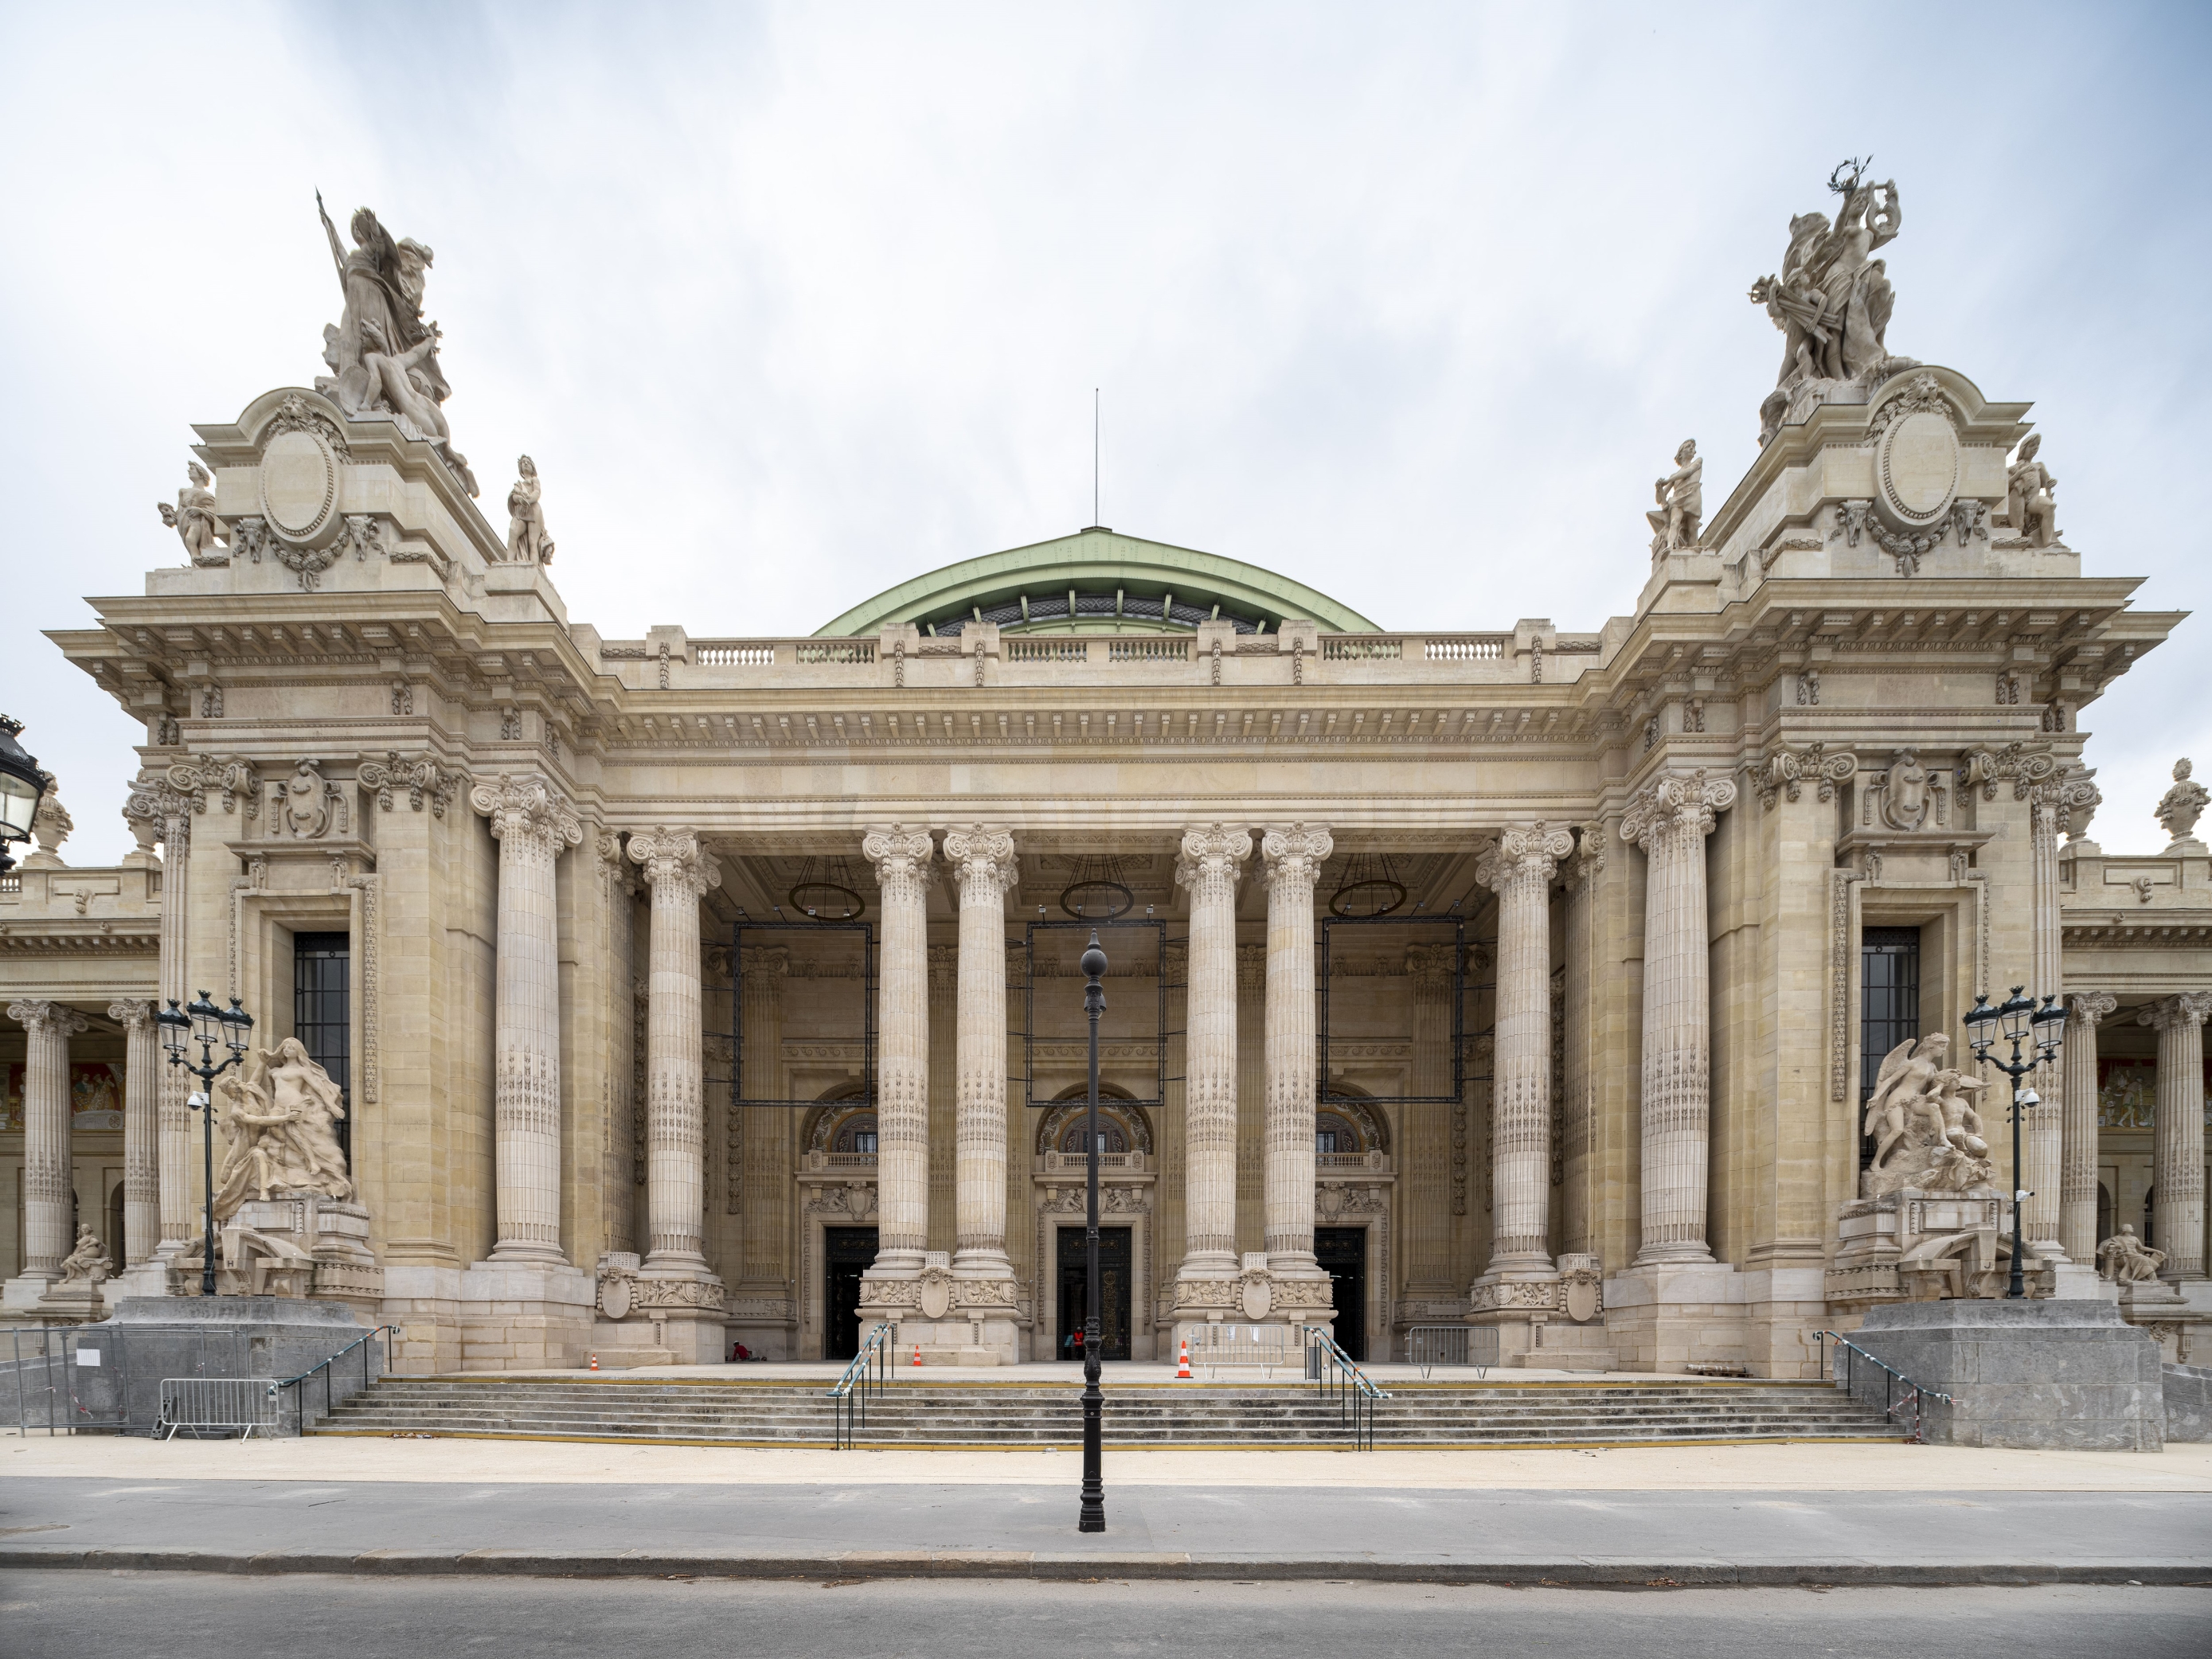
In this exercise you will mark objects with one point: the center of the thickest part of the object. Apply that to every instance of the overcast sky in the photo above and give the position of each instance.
(1409, 303)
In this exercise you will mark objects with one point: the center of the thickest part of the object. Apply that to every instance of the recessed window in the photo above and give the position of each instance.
(322, 1013)
(1110, 1139)
(856, 1135)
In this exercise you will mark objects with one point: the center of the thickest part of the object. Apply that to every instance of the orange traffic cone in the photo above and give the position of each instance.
(1182, 1362)
(595, 1362)
(917, 1353)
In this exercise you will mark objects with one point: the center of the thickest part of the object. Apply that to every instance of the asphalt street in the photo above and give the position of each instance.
(85, 1615)
(1436, 1527)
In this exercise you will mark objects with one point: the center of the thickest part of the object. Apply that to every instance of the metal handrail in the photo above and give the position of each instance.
(1891, 1404)
(360, 1342)
(869, 1369)
(1340, 1378)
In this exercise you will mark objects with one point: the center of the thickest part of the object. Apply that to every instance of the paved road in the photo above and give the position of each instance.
(1503, 1530)
(194, 1616)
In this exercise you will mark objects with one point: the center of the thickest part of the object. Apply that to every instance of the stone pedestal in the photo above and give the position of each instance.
(2180, 1324)
(525, 1317)
(2028, 1373)
(1670, 1316)
(313, 1245)
(245, 1336)
(1913, 1245)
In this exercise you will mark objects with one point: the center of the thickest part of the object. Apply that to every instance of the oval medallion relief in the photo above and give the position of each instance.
(614, 1298)
(1917, 462)
(300, 487)
(1258, 1297)
(936, 1298)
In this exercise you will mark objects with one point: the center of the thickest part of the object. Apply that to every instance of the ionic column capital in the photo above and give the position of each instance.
(46, 1018)
(527, 808)
(134, 1016)
(2086, 1008)
(983, 863)
(765, 965)
(901, 859)
(1430, 967)
(2172, 1013)
(1209, 853)
(1293, 856)
(1534, 850)
(673, 858)
(1676, 800)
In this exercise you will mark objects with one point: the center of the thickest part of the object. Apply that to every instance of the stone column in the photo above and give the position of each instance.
(142, 1066)
(532, 825)
(1519, 871)
(1669, 819)
(983, 866)
(154, 802)
(47, 1237)
(2178, 1147)
(680, 876)
(2053, 806)
(2077, 1183)
(1292, 857)
(901, 858)
(1213, 854)
(764, 1304)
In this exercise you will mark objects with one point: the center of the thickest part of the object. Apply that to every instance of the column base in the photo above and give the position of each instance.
(685, 1310)
(33, 1299)
(1253, 1300)
(1679, 1317)
(941, 1319)
(517, 1317)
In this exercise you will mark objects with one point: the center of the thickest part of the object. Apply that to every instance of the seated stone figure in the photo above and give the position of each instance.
(2126, 1260)
(89, 1261)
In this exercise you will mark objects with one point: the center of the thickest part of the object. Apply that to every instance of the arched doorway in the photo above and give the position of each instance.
(1125, 1142)
(841, 1130)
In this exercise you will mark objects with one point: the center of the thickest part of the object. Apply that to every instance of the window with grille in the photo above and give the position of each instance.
(322, 1013)
(1889, 1003)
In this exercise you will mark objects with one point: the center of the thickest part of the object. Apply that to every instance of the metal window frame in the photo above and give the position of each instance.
(1460, 1035)
(868, 987)
(302, 956)
(1027, 1032)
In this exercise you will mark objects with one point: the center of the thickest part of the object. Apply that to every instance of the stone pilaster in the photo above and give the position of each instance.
(2051, 804)
(1520, 872)
(944, 1086)
(2077, 1181)
(526, 1305)
(1670, 820)
(676, 1287)
(764, 1301)
(1212, 855)
(155, 803)
(1292, 858)
(982, 1294)
(2177, 1146)
(902, 859)
(47, 1237)
(142, 1066)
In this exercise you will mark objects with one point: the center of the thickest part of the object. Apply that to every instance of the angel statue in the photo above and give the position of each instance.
(1922, 1117)
(280, 1113)
(1832, 299)
(2126, 1260)
(193, 518)
(382, 354)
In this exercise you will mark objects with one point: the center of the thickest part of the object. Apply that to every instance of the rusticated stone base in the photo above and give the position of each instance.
(525, 1318)
(1667, 1316)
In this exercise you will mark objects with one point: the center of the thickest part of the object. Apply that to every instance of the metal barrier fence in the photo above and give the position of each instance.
(1253, 1346)
(242, 1403)
(1429, 1346)
(47, 1370)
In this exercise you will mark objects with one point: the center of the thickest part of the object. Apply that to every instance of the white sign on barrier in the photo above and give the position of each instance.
(88, 1356)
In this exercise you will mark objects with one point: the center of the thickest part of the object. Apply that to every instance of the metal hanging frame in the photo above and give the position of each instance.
(1460, 1034)
(1027, 1034)
(866, 930)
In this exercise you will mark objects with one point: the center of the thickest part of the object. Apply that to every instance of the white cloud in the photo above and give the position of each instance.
(1410, 304)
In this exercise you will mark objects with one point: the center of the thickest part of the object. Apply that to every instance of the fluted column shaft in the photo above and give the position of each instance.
(46, 1235)
(680, 876)
(983, 865)
(2178, 1144)
(2077, 1181)
(141, 1081)
(1670, 820)
(901, 859)
(153, 801)
(1520, 872)
(1292, 859)
(1212, 857)
(532, 825)
(2042, 1127)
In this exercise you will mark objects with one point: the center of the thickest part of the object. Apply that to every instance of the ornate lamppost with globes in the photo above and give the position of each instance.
(1092, 1515)
(22, 786)
(2017, 1019)
(206, 1025)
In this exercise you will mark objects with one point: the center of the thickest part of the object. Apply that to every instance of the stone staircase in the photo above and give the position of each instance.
(1664, 1411)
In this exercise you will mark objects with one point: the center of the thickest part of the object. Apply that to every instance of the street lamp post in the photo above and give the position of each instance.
(2016, 1020)
(1093, 1515)
(22, 785)
(206, 1025)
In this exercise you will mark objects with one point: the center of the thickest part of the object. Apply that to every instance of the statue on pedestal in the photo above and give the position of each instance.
(2028, 489)
(382, 353)
(2126, 1260)
(193, 518)
(527, 540)
(1682, 510)
(2180, 807)
(89, 1261)
(1833, 300)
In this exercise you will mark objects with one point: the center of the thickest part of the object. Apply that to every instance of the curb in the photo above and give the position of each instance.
(1073, 1566)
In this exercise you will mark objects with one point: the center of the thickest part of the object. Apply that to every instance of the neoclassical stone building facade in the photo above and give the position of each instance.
(697, 992)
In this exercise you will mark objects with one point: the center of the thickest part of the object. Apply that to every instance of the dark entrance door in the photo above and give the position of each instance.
(1342, 1252)
(1113, 1293)
(845, 1253)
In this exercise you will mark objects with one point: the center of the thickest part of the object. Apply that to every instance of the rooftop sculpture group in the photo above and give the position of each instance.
(1832, 299)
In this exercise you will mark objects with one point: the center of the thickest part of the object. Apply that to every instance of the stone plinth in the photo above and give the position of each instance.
(1917, 1246)
(1668, 1316)
(330, 1234)
(2181, 1325)
(220, 1336)
(2187, 1390)
(2028, 1373)
(525, 1317)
